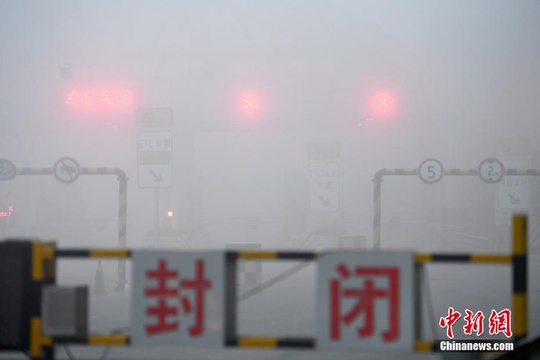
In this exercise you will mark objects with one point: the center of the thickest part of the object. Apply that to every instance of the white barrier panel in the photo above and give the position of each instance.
(178, 298)
(366, 301)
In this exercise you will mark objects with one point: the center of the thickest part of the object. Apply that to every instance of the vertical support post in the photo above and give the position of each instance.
(231, 258)
(41, 347)
(122, 227)
(377, 180)
(156, 215)
(519, 272)
(418, 276)
(43, 272)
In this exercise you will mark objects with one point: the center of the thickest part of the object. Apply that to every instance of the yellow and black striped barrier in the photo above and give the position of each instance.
(97, 340)
(271, 342)
(273, 255)
(44, 256)
(518, 260)
(519, 272)
(93, 253)
(421, 258)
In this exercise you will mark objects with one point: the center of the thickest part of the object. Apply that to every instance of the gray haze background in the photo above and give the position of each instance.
(465, 75)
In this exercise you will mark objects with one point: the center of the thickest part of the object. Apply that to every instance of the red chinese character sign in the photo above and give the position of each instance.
(177, 298)
(100, 99)
(366, 301)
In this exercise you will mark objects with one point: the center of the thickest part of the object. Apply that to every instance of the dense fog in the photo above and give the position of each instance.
(262, 95)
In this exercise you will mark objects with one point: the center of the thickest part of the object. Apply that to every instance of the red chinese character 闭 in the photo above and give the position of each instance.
(500, 322)
(365, 298)
(162, 292)
(473, 323)
(448, 321)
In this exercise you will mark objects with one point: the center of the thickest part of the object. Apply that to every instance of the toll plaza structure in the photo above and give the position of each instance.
(367, 301)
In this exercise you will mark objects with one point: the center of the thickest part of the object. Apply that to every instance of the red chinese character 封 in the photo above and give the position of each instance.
(172, 299)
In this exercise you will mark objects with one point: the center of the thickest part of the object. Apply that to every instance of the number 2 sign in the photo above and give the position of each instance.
(491, 171)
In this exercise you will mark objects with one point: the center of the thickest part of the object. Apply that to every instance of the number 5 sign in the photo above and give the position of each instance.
(430, 171)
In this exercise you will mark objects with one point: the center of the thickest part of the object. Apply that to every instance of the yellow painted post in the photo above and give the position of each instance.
(519, 271)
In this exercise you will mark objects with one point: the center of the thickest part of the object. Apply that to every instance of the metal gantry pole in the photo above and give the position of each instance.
(122, 216)
(377, 180)
(122, 207)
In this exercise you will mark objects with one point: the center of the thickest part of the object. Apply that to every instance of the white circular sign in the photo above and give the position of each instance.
(66, 170)
(491, 170)
(430, 171)
(7, 170)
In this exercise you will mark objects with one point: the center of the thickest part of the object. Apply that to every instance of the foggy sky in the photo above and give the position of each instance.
(465, 75)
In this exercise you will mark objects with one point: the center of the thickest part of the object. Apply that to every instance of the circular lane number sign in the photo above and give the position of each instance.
(430, 171)
(7, 170)
(491, 170)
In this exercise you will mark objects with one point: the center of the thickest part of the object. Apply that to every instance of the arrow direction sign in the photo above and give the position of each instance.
(156, 177)
(513, 191)
(154, 159)
(323, 186)
(325, 202)
(514, 199)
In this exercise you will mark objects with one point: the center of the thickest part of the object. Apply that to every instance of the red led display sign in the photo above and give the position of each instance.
(100, 99)
(6, 212)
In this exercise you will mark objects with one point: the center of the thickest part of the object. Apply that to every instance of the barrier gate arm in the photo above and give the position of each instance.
(518, 261)
(44, 258)
(231, 337)
(378, 178)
